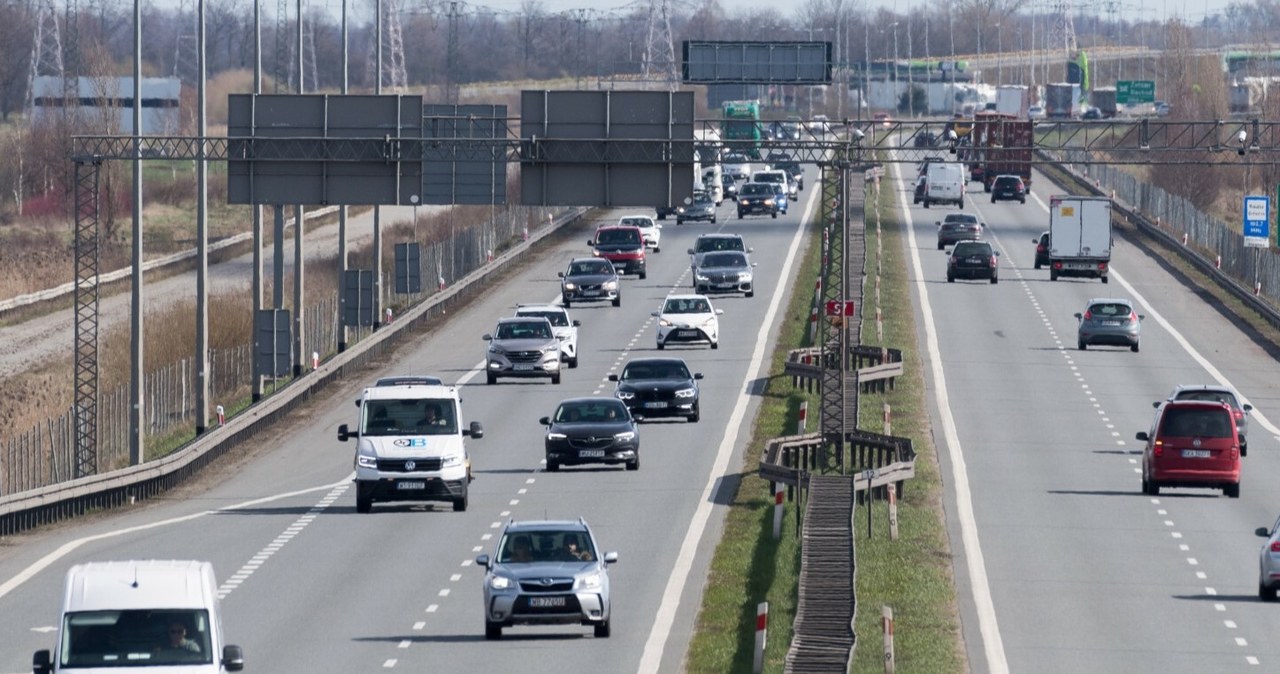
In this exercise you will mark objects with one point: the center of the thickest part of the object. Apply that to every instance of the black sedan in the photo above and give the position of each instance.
(590, 279)
(591, 430)
(973, 260)
(1042, 250)
(658, 387)
(757, 199)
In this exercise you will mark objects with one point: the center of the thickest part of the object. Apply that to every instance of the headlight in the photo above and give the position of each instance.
(744, 276)
(664, 322)
(499, 582)
(625, 436)
(746, 202)
(570, 286)
(709, 322)
(366, 461)
(768, 202)
(702, 277)
(595, 253)
(556, 436)
(590, 581)
(494, 348)
(686, 393)
(452, 461)
(610, 285)
(624, 395)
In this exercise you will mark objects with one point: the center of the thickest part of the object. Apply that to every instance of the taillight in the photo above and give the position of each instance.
(1235, 452)
(1158, 449)
(1088, 315)
(1102, 266)
(993, 260)
(1133, 315)
(1275, 546)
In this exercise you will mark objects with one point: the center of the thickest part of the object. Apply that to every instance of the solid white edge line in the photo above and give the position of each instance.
(651, 658)
(992, 644)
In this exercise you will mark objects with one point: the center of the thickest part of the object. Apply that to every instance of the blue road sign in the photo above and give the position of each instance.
(1257, 222)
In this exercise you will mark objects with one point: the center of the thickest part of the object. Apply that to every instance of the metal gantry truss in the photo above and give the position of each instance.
(834, 334)
(86, 310)
(1105, 142)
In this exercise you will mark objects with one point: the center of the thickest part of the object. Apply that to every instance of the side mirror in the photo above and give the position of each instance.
(475, 431)
(232, 658)
(357, 402)
(1247, 407)
(1141, 316)
(577, 323)
(41, 663)
(697, 375)
(719, 312)
(613, 377)
(560, 274)
(655, 313)
(486, 337)
(1077, 315)
(344, 433)
(545, 421)
(610, 557)
(937, 222)
(1036, 241)
(590, 242)
(482, 560)
(691, 251)
(1156, 404)
(1142, 435)
(1260, 531)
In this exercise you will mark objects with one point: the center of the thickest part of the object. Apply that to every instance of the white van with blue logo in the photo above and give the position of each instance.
(409, 444)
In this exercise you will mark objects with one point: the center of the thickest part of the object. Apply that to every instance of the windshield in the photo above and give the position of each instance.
(719, 243)
(971, 248)
(618, 235)
(660, 370)
(546, 546)
(1111, 310)
(961, 219)
(590, 267)
(636, 222)
(524, 330)
(410, 416)
(768, 178)
(556, 318)
(136, 638)
(1211, 396)
(725, 260)
(591, 411)
(687, 306)
(735, 159)
(757, 190)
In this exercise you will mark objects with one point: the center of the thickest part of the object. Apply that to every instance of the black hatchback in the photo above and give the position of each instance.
(591, 430)
(1008, 188)
(658, 387)
(973, 260)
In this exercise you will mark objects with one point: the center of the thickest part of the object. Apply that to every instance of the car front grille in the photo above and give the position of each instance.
(591, 442)
(524, 356)
(542, 586)
(655, 396)
(723, 277)
(401, 465)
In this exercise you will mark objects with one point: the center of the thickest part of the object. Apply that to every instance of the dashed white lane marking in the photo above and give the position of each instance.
(1251, 660)
(1240, 641)
(433, 608)
(420, 625)
(1193, 561)
(1220, 607)
(389, 664)
(403, 644)
(443, 593)
(1212, 592)
(1230, 624)
(453, 578)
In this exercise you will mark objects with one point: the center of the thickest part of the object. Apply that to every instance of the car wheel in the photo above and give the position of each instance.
(951, 278)
(617, 301)
(713, 219)
(555, 379)
(1053, 275)
(364, 500)
(1104, 279)
(552, 466)
(662, 217)
(941, 245)
(715, 345)
(657, 249)
(1081, 344)
(925, 202)
(565, 302)
(661, 346)
(634, 464)
(995, 280)
(1266, 593)
(679, 222)
(1134, 347)
(751, 293)
(774, 215)
(1232, 490)
(491, 378)
(1146, 484)
(697, 414)
(643, 275)
(1037, 265)
(460, 503)
(993, 198)
(573, 363)
(1023, 200)
(1244, 450)
(602, 629)
(960, 204)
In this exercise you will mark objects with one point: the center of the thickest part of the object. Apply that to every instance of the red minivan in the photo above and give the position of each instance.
(1192, 444)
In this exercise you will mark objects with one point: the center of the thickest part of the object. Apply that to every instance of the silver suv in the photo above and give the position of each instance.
(565, 328)
(546, 573)
(523, 347)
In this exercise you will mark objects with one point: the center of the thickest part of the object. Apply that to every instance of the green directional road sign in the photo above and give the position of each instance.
(1129, 92)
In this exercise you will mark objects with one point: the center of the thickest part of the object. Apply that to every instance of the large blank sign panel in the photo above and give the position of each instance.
(322, 149)
(606, 148)
(464, 160)
(757, 62)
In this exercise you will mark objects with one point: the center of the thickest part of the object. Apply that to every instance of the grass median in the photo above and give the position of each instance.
(912, 574)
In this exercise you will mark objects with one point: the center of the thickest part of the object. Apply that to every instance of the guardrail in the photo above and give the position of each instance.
(64, 290)
(877, 368)
(30, 508)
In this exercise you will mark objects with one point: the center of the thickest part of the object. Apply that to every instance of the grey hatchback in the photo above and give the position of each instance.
(1109, 321)
(958, 227)
(547, 572)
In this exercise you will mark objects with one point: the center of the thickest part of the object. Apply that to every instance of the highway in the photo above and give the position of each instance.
(311, 586)
(1062, 564)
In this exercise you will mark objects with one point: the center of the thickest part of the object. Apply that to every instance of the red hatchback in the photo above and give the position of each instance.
(621, 245)
(1192, 444)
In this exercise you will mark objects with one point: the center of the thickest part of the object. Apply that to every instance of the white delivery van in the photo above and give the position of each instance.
(944, 184)
(409, 445)
(779, 177)
(158, 616)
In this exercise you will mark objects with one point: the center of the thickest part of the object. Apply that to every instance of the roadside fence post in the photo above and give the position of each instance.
(886, 624)
(779, 491)
(762, 622)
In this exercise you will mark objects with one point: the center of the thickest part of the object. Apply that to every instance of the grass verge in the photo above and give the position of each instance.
(912, 574)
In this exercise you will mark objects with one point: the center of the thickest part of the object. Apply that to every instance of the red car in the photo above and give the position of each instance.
(621, 245)
(1192, 443)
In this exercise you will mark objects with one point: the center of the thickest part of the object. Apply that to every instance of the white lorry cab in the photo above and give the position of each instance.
(154, 616)
(409, 445)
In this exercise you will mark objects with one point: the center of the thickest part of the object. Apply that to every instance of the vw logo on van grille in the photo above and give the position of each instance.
(410, 464)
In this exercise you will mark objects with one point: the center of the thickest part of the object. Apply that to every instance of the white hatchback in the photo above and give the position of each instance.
(688, 319)
(650, 230)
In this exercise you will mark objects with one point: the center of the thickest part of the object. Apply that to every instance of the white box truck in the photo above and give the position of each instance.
(410, 444)
(1079, 237)
(1014, 99)
(140, 615)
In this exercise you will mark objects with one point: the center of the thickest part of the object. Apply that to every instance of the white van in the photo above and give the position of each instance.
(409, 445)
(157, 615)
(778, 176)
(713, 182)
(944, 184)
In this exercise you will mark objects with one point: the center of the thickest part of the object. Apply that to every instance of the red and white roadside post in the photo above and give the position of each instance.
(804, 417)
(762, 622)
(440, 281)
(315, 356)
(222, 415)
(886, 623)
(779, 490)
(488, 256)
(893, 510)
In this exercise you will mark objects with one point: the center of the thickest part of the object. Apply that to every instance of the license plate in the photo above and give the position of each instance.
(417, 485)
(590, 293)
(522, 366)
(974, 260)
(1079, 265)
(546, 602)
(687, 333)
(591, 453)
(1195, 453)
(724, 285)
(1111, 322)
(655, 405)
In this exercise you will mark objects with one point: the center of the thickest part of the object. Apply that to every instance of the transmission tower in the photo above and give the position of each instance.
(659, 51)
(310, 81)
(184, 48)
(282, 45)
(393, 70)
(451, 75)
(1064, 29)
(46, 49)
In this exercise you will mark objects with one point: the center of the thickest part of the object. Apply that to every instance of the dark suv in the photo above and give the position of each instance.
(1008, 187)
(757, 199)
(973, 260)
(623, 246)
